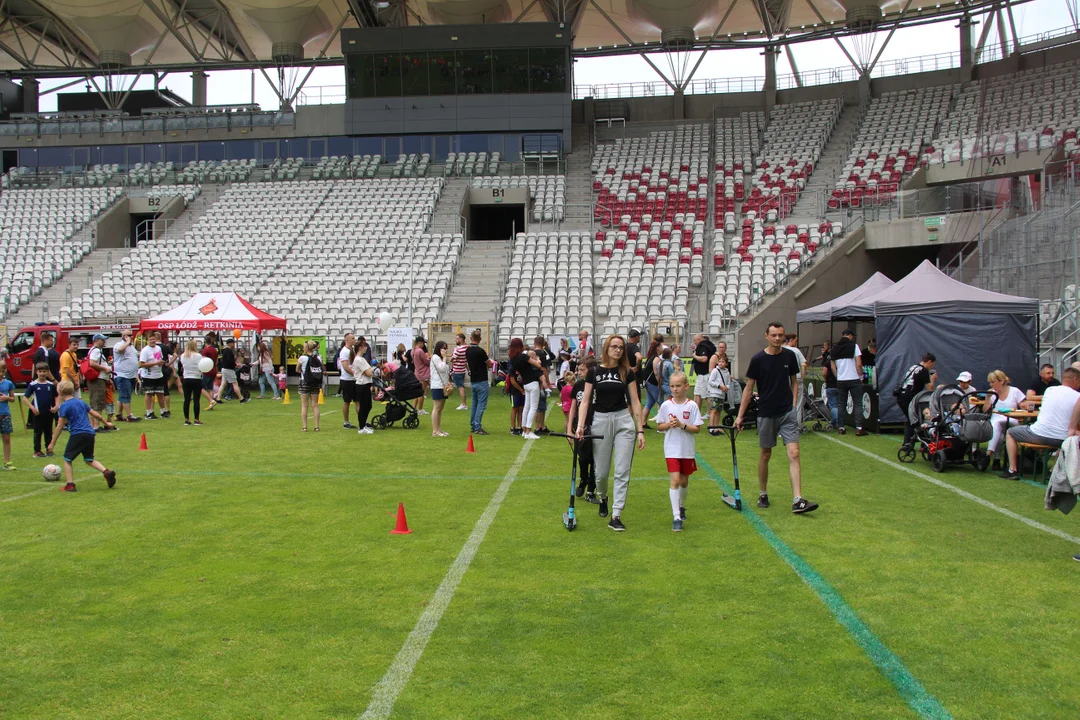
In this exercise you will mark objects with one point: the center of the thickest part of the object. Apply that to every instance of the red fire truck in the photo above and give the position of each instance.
(25, 341)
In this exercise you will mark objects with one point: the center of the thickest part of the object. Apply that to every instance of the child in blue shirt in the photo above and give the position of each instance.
(40, 399)
(75, 415)
(7, 394)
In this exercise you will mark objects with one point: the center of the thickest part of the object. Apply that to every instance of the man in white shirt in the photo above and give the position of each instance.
(846, 359)
(126, 367)
(348, 379)
(1058, 419)
(150, 361)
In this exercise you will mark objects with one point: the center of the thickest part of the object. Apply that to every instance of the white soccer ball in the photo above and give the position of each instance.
(206, 365)
(385, 321)
(51, 472)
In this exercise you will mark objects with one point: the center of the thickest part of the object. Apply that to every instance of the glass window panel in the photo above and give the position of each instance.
(134, 154)
(474, 72)
(197, 123)
(340, 146)
(188, 152)
(112, 154)
(11, 129)
(369, 146)
(442, 148)
(360, 75)
(511, 71)
(50, 128)
(441, 69)
(153, 153)
(240, 120)
(172, 153)
(174, 123)
(317, 147)
(388, 75)
(269, 151)
(218, 120)
(212, 151)
(90, 126)
(135, 125)
(393, 149)
(241, 149)
(262, 119)
(69, 128)
(153, 124)
(547, 70)
(414, 73)
(28, 128)
(412, 145)
(284, 118)
(55, 157)
(111, 125)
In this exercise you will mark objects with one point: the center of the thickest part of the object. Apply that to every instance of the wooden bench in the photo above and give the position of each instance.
(1041, 460)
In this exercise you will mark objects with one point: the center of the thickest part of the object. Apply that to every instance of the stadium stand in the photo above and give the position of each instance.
(354, 259)
(738, 142)
(550, 286)
(1025, 111)
(896, 129)
(547, 192)
(472, 163)
(36, 227)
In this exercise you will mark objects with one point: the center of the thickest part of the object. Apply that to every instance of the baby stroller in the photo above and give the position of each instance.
(735, 393)
(948, 430)
(397, 396)
(816, 411)
(247, 377)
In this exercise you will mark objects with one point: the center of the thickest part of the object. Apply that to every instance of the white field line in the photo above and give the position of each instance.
(387, 690)
(962, 493)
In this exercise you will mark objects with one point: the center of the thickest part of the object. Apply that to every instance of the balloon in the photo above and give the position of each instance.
(237, 333)
(385, 321)
(206, 365)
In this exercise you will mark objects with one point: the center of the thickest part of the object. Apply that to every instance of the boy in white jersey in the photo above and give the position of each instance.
(679, 420)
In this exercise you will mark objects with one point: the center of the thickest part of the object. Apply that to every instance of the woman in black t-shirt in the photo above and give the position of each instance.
(611, 392)
(529, 368)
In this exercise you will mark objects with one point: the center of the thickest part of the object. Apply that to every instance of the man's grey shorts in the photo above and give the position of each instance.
(786, 426)
(228, 376)
(1022, 433)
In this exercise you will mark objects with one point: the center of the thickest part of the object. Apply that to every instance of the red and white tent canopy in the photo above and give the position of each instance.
(214, 311)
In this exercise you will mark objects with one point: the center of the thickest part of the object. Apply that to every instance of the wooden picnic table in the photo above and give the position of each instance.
(1021, 415)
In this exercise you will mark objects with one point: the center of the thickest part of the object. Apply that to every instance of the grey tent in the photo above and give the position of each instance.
(964, 327)
(837, 308)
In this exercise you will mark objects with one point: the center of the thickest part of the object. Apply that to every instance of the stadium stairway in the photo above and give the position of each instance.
(447, 218)
(810, 207)
(80, 277)
(579, 192)
(479, 283)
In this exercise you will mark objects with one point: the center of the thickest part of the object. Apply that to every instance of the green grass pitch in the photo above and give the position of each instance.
(245, 570)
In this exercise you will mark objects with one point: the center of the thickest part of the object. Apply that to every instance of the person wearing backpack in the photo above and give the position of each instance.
(310, 368)
(96, 370)
(918, 378)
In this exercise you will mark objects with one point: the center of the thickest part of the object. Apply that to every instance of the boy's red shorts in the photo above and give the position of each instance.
(684, 466)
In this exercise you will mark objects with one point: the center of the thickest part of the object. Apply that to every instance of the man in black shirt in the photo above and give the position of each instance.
(1046, 380)
(774, 371)
(228, 372)
(703, 351)
(633, 349)
(477, 360)
(918, 378)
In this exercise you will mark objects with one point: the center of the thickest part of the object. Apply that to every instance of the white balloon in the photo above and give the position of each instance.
(385, 321)
(206, 365)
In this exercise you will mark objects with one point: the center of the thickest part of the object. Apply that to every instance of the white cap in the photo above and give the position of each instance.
(964, 377)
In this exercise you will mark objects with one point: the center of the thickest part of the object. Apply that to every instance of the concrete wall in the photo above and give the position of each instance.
(958, 228)
(114, 225)
(168, 208)
(506, 196)
(993, 166)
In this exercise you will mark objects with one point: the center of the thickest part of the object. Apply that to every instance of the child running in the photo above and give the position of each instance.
(7, 394)
(40, 399)
(75, 415)
(679, 420)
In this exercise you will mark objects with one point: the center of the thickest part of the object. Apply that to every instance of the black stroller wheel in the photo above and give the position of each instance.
(378, 422)
(818, 427)
(939, 461)
(982, 461)
(411, 422)
(906, 454)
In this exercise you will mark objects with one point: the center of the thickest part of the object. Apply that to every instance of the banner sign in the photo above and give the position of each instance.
(295, 347)
(398, 336)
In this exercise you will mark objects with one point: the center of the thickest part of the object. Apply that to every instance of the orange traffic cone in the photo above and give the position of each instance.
(142, 442)
(402, 526)
(470, 448)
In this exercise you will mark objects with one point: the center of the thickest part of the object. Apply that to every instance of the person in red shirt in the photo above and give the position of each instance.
(210, 350)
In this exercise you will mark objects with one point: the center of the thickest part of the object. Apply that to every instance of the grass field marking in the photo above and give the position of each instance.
(387, 690)
(962, 493)
(54, 486)
(890, 665)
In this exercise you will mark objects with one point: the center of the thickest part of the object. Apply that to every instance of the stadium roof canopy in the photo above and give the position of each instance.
(79, 37)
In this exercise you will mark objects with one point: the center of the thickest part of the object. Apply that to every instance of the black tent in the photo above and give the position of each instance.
(964, 327)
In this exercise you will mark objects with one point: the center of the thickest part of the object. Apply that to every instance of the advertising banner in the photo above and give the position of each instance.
(294, 347)
(398, 336)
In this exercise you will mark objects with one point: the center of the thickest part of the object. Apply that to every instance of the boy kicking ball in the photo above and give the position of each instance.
(682, 423)
(75, 415)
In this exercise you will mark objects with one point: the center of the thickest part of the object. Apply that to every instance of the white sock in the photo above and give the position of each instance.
(682, 497)
(673, 493)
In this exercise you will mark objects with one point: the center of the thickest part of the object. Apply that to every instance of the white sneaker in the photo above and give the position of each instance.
(531, 436)
(422, 412)
(462, 407)
(365, 431)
